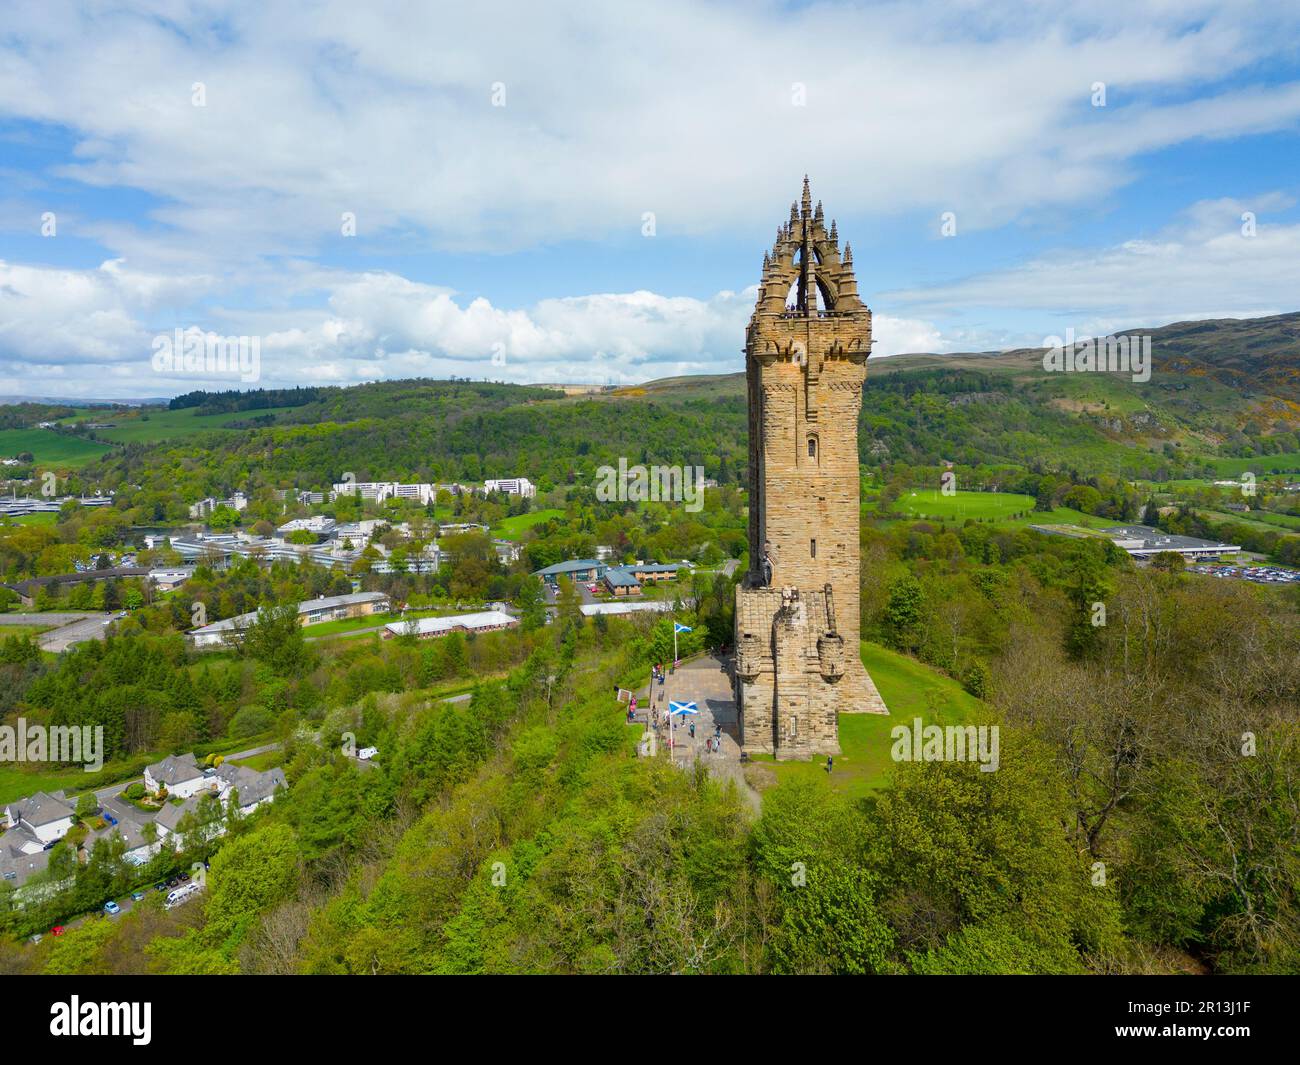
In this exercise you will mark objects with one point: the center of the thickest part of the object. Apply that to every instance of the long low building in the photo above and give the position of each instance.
(426, 628)
(1141, 541)
(661, 606)
(578, 569)
(310, 612)
(1144, 542)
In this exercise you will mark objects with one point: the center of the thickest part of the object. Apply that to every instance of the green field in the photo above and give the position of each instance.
(1254, 521)
(336, 628)
(999, 508)
(44, 518)
(921, 503)
(910, 690)
(513, 528)
(1287, 462)
(150, 427)
(49, 448)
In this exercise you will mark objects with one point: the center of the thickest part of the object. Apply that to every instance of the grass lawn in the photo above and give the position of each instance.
(264, 761)
(44, 518)
(514, 527)
(910, 690)
(1063, 516)
(18, 780)
(23, 630)
(917, 503)
(49, 448)
(334, 628)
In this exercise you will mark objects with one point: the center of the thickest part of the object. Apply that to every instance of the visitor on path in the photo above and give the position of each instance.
(692, 730)
(830, 763)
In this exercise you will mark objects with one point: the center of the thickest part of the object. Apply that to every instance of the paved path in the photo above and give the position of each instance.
(69, 627)
(706, 681)
(94, 627)
(49, 617)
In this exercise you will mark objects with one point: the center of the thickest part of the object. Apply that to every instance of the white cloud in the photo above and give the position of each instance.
(313, 109)
(1202, 266)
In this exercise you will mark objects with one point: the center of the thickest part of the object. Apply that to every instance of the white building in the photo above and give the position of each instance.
(425, 628)
(381, 490)
(514, 486)
(253, 789)
(310, 612)
(178, 773)
(42, 815)
(167, 579)
(203, 507)
(317, 523)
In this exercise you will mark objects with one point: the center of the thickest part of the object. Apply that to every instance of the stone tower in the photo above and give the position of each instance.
(798, 656)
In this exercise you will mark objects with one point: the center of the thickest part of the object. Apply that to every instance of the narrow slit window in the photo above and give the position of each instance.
(813, 548)
(812, 447)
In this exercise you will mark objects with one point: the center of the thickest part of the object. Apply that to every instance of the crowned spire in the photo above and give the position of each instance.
(807, 197)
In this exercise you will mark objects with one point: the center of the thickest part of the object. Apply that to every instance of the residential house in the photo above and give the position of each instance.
(47, 817)
(178, 773)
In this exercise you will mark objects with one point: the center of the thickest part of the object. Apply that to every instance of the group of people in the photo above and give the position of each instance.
(658, 675)
(714, 743)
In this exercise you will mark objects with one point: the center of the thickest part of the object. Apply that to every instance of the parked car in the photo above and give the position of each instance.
(183, 877)
(175, 898)
(160, 886)
(138, 896)
(111, 908)
(173, 882)
(57, 930)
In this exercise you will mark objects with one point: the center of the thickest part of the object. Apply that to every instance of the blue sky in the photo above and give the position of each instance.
(501, 162)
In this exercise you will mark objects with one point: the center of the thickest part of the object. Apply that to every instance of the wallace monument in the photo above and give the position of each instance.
(798, 655)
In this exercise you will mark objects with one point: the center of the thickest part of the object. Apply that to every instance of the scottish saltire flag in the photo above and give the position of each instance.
(681, 708)
(679, 627)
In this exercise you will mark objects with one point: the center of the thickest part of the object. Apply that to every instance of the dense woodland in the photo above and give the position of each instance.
(1145, 817)
(1124, 832)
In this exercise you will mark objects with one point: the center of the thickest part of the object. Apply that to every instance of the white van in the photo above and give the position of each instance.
(180, 894)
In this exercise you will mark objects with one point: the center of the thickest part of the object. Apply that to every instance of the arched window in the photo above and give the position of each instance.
(812, 448)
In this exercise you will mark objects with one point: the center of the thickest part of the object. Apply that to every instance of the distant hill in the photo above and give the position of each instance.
(1220, 390)
(1211, 380)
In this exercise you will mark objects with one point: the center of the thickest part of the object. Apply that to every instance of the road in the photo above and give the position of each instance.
(107, 799)
(70, 627)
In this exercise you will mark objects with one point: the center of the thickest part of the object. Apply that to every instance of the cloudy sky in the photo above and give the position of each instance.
(583, 192)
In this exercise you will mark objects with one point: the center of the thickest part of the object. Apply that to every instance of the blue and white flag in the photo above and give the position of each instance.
(679, 627)
(681, 708)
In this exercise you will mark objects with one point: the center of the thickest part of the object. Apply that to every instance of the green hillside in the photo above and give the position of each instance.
(911, 690)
